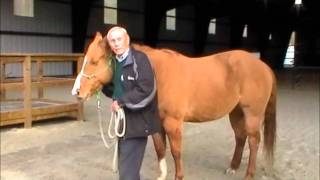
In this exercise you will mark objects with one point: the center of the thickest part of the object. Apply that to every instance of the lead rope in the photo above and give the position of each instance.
(116, 119)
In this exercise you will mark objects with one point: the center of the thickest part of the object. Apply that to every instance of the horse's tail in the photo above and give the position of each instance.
(270, 124)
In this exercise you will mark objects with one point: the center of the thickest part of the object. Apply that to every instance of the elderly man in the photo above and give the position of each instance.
(134, 89)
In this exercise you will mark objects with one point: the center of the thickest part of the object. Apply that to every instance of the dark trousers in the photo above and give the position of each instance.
(131, 152)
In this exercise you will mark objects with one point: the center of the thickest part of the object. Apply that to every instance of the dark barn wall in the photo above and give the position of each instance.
(181, 38)
(130, 15)
(68, 25)
(49, 31)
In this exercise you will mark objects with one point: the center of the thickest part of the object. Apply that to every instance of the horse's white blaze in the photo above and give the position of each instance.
(163, 169)
(77, 83)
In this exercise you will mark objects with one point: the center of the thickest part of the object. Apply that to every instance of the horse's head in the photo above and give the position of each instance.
(96, 69)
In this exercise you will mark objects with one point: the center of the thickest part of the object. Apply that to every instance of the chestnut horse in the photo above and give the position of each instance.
(198, 90)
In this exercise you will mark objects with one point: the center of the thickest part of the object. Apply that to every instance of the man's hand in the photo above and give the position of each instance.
(115, 106)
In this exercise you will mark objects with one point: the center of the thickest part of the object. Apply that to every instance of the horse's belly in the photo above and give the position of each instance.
(209, 109)
(203, 114)
(205, 103)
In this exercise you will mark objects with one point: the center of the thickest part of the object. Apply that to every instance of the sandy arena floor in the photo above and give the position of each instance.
(66, 149)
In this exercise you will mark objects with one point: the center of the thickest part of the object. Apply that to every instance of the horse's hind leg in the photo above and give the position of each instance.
(159, 140)
(252, 125)
(238, 124)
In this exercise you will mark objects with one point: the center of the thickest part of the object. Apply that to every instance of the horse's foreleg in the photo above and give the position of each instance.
(173, 128)
(159, 140)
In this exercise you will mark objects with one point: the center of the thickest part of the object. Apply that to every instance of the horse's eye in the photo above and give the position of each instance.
(93, 62)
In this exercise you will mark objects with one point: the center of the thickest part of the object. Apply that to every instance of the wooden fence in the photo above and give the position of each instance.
(39, 108)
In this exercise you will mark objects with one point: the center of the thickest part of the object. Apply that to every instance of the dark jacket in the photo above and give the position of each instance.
(139, 98)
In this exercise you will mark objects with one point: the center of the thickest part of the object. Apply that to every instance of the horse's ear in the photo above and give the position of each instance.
(98, 35)
(105, 41)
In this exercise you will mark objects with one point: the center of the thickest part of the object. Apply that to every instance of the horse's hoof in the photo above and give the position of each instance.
(230, 171)
(161, 178)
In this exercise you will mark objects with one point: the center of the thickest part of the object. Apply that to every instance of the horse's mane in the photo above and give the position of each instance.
(149, 49)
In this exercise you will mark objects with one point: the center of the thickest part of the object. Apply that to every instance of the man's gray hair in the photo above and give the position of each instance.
(116, 28)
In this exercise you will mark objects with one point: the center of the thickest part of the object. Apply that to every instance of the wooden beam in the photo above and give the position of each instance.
(40, 76)
(44, 83)
(2, 77)
(27, 92)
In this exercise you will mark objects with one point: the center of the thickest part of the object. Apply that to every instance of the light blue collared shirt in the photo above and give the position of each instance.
(123, 56)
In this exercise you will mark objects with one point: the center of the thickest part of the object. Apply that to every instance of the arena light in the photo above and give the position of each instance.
(298, 6)
(298, 2)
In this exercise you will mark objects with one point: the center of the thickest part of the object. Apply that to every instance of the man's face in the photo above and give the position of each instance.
(118, 41)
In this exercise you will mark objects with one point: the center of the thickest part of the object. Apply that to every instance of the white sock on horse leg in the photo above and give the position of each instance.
(163, 169)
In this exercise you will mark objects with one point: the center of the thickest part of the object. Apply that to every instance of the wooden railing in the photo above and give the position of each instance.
(39, 81)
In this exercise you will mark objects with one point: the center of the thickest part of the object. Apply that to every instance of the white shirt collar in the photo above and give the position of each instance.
(123, 56)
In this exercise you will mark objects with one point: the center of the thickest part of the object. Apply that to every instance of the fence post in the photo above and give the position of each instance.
(27, 92)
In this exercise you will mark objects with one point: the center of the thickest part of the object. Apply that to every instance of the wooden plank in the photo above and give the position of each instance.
(35, 79)
(27, 92)
(13, 121)
(39, 54)
(55, 59)
(12, 80)
(57, 101)
(44, 83)
(8, 60)
(10, 86)
(38, 118)
(11, 115)
(39, 77)
(51, 83)
(2, 77)
(42, 112)
(11, 100)
(19, 58)
(55, 115)
(54, 109)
